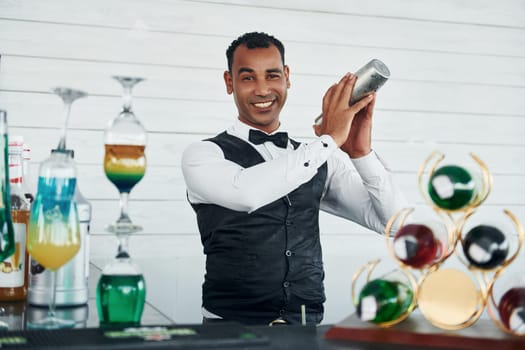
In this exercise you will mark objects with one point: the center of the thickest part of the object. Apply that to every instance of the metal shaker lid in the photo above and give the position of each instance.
(380, 67)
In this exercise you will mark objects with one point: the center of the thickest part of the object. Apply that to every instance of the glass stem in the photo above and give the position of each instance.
(126, 99)
(123, 245)
(67, 110)
(52, 302)
(124, 216)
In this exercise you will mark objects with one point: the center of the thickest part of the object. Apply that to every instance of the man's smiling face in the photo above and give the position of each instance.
(259, 83)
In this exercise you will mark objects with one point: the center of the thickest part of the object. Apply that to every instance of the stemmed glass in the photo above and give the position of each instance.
(54, 232)
(121, 290)
(124, 160)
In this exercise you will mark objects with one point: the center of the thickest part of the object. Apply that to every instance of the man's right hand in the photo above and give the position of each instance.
(337, 115)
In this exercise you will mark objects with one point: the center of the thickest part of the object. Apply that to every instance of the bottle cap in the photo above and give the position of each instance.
(69, 152)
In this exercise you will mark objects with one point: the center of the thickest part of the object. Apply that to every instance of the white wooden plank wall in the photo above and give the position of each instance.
(458, 81)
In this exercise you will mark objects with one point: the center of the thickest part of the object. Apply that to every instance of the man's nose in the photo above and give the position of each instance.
(262, 88)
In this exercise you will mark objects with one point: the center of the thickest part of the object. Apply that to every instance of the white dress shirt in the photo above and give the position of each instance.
(360, 190)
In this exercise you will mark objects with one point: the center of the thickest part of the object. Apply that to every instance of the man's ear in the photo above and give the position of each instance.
(229, 82)
(287, 75)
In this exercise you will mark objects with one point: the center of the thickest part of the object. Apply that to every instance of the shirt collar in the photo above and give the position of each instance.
(242, 130)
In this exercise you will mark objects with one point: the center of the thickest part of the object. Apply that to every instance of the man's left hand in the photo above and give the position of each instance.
(359, 141)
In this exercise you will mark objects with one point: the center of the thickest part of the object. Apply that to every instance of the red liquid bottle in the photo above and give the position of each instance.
(512, 310)
(416, 245)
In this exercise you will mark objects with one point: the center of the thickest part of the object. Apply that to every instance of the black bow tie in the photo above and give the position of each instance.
(279, 139)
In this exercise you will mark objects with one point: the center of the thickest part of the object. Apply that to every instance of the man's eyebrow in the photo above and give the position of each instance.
(245, 70)
(250, 70)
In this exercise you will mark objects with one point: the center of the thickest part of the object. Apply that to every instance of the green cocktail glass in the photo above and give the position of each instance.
(121, 294)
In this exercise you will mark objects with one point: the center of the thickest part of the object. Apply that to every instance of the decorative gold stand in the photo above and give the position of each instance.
(450, 299)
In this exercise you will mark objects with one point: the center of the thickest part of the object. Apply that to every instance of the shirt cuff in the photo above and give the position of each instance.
(304, 163)
(321, 149)
(328, 141)
(369, 166)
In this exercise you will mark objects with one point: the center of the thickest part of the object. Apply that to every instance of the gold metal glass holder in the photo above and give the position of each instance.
(397, 221)
(498, 269)
(448, 298)
(369, 268)
(481, 195)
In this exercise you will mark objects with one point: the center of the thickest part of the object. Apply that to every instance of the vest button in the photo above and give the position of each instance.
(288, 253)
(288, 222)
(286, 284)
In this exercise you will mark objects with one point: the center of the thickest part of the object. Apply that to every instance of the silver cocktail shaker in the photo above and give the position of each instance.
(370, 78)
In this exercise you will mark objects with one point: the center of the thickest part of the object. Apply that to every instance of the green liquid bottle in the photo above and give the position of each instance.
(382, 300)
(452, 187)
(121, 294)
(7, 235)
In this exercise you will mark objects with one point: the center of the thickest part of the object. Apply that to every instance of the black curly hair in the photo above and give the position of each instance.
(253, 40)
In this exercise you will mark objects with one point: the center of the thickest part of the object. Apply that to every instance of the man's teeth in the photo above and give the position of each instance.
(263, 104)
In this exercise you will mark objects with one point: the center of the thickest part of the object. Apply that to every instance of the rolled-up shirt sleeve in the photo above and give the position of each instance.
(364, 193)
(212, 179)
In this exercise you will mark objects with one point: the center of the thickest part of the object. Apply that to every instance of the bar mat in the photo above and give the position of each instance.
(220, 335)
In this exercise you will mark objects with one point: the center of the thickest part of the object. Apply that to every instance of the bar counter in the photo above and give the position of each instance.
(158, 331)
(218, 336)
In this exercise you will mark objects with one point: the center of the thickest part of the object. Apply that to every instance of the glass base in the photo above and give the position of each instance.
(123, 228)
(51, 323)
(110, 325)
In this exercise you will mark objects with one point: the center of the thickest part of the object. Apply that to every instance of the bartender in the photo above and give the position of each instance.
(257, 192)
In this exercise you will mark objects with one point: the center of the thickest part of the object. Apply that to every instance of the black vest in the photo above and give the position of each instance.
(268, 263)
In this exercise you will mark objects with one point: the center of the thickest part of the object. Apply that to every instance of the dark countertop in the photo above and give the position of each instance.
(277, 337)
(212, 336)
